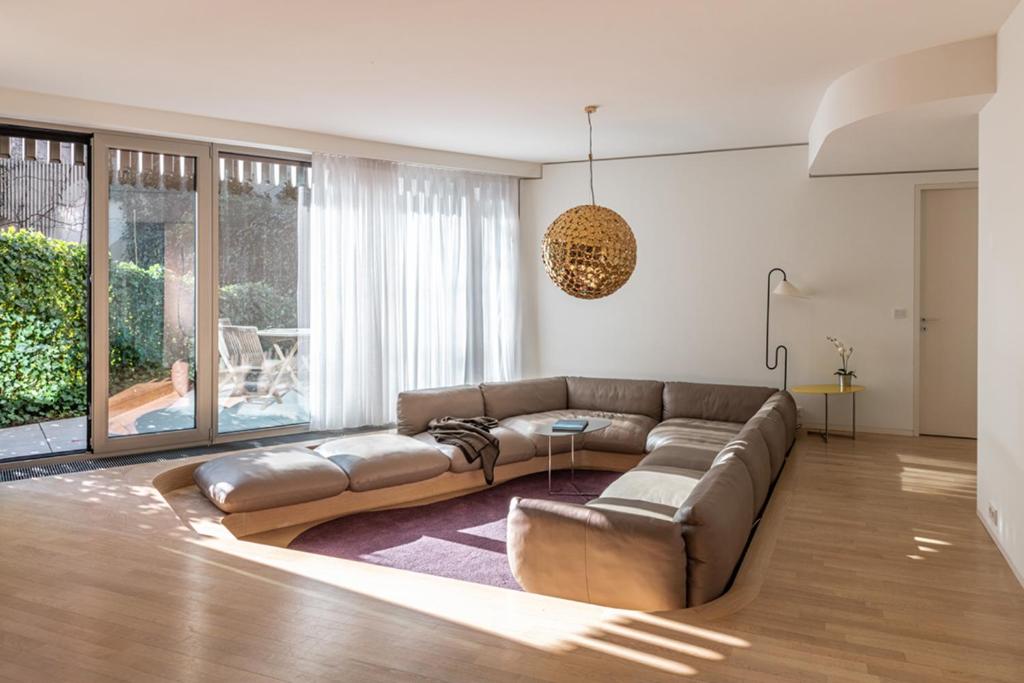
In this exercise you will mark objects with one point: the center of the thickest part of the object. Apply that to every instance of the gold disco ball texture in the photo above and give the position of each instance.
(589, 251)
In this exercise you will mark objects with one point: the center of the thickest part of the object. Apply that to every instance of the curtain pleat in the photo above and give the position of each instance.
(413, 283)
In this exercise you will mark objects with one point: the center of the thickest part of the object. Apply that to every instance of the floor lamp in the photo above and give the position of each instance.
(784, 288)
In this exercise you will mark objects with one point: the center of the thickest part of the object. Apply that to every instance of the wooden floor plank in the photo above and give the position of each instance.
(874, 568)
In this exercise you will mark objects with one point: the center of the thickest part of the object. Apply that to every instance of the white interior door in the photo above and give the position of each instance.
(948, 391)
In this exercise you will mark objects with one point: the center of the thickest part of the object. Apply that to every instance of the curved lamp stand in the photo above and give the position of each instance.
(784, 288)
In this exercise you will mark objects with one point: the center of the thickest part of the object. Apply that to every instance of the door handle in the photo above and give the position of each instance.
(925, 321)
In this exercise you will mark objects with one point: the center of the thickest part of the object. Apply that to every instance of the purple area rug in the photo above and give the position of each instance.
(462, 538)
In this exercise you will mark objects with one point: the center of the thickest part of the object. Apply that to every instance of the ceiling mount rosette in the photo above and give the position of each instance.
(589, 251)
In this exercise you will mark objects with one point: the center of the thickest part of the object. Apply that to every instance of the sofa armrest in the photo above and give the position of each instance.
(608, 557)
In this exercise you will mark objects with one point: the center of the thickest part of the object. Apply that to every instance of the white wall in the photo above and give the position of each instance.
(32, 108)
(1001, 299)
(708, 229)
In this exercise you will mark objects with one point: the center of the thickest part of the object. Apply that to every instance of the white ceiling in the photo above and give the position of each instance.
(502, 79)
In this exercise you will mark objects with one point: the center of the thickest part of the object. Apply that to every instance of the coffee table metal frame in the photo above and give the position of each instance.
(594, 424)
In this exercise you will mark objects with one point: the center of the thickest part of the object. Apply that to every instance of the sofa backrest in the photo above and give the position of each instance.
(635, 396)
(769, 421)
(716, 520)
(419, 407)
(722, 402)
(784, 403)
(505, 399)
(750, 447)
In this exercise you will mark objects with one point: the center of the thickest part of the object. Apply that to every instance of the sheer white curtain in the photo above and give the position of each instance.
(413, 283)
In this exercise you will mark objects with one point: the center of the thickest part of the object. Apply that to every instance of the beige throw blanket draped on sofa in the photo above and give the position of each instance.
(472, 436)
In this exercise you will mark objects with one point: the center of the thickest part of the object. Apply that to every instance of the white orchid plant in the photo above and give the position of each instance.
(845, 354)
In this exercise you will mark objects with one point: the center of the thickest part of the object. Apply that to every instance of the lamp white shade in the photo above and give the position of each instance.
(786, 288)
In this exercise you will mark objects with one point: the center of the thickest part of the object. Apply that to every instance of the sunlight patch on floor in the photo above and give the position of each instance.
(557, 626)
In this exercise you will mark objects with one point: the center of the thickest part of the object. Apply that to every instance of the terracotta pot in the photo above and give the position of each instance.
(179, 377)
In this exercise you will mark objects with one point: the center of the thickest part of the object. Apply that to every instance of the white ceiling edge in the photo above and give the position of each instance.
(867, 109)
(32, 108)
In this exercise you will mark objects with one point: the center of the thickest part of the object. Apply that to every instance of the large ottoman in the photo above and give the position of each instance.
(377, 461)
(268, 478)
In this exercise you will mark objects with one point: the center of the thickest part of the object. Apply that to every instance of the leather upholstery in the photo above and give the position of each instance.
(527, 425)
(686, 431)
(513, 447)
(505, 399)
(716, 520)
(750, 447)
(721, 402)
(784, 403)
(667, 534)
(626, 433)
(683, 457)
(597, 555)
(650, 491)
(636, 396)
(270, 478)
(773, 428)
(417, 408)
(375, 461)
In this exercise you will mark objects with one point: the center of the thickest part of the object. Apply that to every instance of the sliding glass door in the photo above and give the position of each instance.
(44, 292)
(153, 372)
(262, 332)
(200, 302)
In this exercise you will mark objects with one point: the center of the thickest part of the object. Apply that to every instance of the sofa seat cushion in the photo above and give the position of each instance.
(513, 447)
(268, 478)
(625, 434)
(686, 431)
(377, 461)
(682, 457)
(650, 491)
(528, 425)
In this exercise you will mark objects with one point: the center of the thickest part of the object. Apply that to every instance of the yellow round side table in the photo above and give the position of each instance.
(827, 390)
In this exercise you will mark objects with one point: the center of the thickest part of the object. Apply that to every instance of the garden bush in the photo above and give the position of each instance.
(42, 327)
(257, 304)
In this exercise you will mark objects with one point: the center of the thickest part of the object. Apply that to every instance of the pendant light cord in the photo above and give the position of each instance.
(590, 156)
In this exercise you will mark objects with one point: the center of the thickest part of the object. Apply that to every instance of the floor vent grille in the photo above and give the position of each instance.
(27, 470)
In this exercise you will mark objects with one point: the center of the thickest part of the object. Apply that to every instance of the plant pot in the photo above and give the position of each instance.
(845, 381)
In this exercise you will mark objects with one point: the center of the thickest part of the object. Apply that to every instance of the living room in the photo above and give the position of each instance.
(546, 341)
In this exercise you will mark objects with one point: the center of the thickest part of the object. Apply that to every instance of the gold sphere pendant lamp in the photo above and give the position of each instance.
(589, 251)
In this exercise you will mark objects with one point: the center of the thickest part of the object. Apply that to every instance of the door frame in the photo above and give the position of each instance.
(214, 309)
(919, 191)
(101, 442)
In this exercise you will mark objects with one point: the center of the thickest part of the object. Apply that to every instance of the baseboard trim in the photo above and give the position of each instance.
(999, 545)
(861, 429)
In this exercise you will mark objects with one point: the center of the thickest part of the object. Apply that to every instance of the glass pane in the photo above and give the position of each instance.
(152, 322)
(44, 262)
(263, 331)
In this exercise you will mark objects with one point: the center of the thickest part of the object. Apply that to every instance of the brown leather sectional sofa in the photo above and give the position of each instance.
(668, 533)
(671, 531)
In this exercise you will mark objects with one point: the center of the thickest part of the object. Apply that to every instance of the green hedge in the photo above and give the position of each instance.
(257, 304)
(42, 327)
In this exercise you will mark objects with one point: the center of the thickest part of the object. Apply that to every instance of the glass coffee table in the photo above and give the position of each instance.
(594, 424)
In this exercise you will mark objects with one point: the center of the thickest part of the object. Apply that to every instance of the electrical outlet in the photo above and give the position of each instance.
(993, 515)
